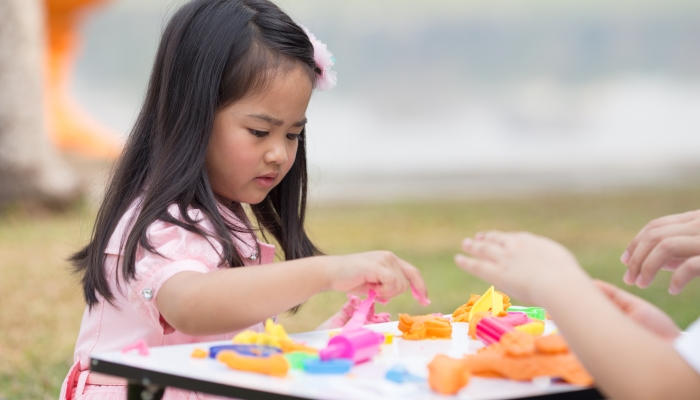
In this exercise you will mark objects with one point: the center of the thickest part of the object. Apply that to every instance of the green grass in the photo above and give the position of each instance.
(41, 303)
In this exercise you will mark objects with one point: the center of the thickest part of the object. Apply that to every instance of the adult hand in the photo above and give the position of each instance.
(641, 311)
(670, 243)
(520, 264)
(382, 271)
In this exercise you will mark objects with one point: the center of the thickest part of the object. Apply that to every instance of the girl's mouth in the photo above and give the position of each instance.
(267, 180)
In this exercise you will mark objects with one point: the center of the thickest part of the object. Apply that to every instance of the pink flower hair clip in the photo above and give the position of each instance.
(326, 79)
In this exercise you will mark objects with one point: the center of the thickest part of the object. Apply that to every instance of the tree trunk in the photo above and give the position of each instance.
(31, 171)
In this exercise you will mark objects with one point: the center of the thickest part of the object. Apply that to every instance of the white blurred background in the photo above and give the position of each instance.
(463, 98)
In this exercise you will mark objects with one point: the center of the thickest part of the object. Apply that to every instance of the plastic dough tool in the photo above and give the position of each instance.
(354, 342)
(358, 345)
(251, 350)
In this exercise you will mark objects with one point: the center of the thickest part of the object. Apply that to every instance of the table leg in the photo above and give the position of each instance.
(138, 391)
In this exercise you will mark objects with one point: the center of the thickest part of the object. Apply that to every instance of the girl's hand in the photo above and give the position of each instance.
(339, 319)
(382, 271)
(520, 264)
(670, 243)
(641, 311)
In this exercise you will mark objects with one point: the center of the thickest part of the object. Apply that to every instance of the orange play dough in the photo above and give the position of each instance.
(476, 318)
(200, 353)
(447, 375)
(521, 356)
(275, 365)
(290, 346)
(424, 327)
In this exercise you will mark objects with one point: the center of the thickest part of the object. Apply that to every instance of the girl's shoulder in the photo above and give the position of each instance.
(174, 238)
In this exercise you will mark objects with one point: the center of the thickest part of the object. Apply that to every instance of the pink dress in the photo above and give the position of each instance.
(136, 316)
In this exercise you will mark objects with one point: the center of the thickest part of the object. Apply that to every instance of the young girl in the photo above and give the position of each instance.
(632, 348)
(222, 125)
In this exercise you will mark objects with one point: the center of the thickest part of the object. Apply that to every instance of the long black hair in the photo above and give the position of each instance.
(212, 53)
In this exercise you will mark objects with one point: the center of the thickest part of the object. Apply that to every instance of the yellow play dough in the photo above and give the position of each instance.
(491, 300)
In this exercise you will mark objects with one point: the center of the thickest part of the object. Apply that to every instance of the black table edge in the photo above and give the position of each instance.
(146, 377)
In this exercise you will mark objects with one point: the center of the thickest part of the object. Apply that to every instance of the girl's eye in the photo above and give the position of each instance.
(258, 133)
(294, 136)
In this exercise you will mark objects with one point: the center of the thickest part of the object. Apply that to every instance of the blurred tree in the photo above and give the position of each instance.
(30, 169)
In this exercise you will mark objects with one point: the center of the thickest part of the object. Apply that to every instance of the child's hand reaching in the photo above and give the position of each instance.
(382, 271)
(670, 243)
(641, 311)
(520, 263)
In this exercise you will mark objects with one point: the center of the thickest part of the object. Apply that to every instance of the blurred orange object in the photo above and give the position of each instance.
(275, 365)
(424, 327)
(521, 356)
(476, 318)
(290, 346)
(70, 127)
(199, 353)
(447, 375)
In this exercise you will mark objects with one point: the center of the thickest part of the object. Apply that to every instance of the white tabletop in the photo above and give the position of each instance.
(365, 381)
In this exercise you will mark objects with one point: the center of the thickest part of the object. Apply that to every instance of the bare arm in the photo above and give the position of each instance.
(627, 360)
(232, 299)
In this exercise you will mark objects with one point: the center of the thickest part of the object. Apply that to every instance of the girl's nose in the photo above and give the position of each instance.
(277, 153)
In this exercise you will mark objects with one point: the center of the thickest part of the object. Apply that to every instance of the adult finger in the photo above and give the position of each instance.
(483, 269)
(418, 287)
(482, 249)
(657, 223)
(647, 242)
(684, 274)
(664, 251)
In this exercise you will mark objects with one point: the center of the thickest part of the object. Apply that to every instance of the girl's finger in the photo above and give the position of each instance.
(647, 242)
(402, 282)
(623, 299)
(483, 269)
(418, 288)
(608, 289)
(389, 284)
(684, 274)
(663, 252)
(362, 290)
(482, 249)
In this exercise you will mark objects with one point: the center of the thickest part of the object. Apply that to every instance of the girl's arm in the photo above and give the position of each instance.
(231, 299)
(627, 360)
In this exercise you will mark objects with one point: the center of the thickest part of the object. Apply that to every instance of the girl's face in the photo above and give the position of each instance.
(254, 141)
